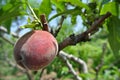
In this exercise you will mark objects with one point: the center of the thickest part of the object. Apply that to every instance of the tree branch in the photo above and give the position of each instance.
(97, 69)
(75, 59)
(44, 22)
(74, 39)
(64, 57)
(41, 73)
(59, 26)
(4, 30)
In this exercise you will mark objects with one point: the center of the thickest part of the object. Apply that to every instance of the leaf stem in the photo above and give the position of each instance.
(33, 13)
(65, 12)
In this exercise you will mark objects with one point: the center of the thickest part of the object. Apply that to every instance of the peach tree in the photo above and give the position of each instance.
(60, 39)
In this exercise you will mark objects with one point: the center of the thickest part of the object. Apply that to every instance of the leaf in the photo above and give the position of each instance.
(34, 4)
(28, 26)
(73, 20)
(11, 10)
(114, 35)
(76, 3)
(105, 1)
(110, 7)
(28, 20)
(7, 24)
(60, 6)
(45, 7)
(7, 7)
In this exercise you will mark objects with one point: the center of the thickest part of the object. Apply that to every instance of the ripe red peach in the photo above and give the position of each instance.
(35, 50)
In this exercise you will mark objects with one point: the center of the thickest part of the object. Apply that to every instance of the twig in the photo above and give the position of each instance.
(59, 26)
(97, 69)
(41, 73)
(69, 66)
(74, 39)
(44, 22)
(4, 30)
(7, 40)
(75, 59)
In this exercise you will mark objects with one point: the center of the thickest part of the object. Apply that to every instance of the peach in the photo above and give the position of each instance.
(35, 50)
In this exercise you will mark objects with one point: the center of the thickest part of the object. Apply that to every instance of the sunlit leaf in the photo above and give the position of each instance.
(8, 11)
(73, 20)
(7, 7)
(28, 20)
(105, 1)
(60, 6)
(45, 7)
(76, 3)
(28, 26)
(110, 7)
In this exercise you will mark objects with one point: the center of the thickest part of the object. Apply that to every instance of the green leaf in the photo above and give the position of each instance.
(11, 10)
(114, 35)
(71, 11)
(28, 26)
(73, 20)
(105, 1)
(110, 7)
(60, 6)
(7, 24)
(34, 4)
(76, 3)
(7, 7)
(28, 20)
(45, 7)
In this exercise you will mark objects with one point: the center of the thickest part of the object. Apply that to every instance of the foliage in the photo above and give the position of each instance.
(14, 11)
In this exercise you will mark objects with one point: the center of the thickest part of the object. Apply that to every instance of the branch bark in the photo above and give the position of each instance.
(74, 39)
(59, 26)
(44, 22)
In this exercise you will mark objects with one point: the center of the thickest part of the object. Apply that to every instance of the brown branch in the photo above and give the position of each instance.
(44, 22)
(41, 73)
(74, 39)
(59, 26)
